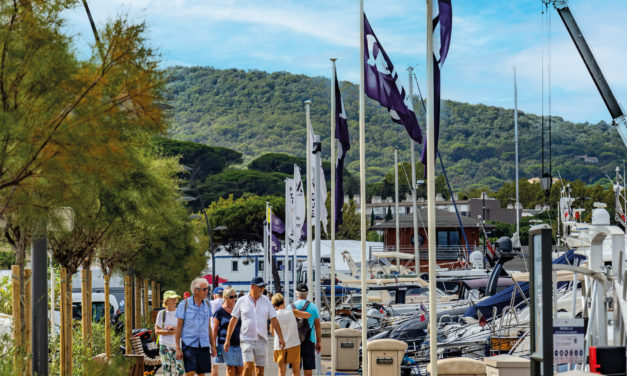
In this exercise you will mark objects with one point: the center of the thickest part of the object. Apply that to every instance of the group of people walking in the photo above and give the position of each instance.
(197, 334)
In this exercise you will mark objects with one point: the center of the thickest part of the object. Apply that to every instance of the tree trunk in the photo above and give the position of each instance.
(137, 304)
(85, 305)
(145, 302)
(128, 312)
(107, 317)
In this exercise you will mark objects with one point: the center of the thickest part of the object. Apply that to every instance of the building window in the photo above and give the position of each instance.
(234, 266)
(260, 265)
(291, 266)
(279, 265)
(448, 238)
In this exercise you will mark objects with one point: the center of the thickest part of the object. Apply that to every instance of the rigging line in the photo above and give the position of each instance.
(446, 178)
(549, 91)
(542, 75)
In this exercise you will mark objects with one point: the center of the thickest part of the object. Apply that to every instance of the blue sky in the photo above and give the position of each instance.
(489, 38)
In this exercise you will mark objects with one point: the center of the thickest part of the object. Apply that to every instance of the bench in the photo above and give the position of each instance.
(138, 349)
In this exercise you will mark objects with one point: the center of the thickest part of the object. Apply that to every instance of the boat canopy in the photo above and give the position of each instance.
(400, 255)
(504, 298)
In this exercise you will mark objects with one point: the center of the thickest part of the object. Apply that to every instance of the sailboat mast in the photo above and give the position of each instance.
(516, 152)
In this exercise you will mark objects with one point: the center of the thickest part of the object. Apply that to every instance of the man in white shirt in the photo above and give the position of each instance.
(254, 309)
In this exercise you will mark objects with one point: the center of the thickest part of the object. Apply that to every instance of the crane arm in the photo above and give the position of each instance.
(618, 117)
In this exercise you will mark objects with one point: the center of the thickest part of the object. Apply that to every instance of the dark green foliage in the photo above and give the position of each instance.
(7, 258)
(256, 112)
(278, 162)
(204, 160)
(239, 182)
(388, 215)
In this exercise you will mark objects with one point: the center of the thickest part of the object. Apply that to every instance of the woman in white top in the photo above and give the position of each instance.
(287, 320)
(165, 327)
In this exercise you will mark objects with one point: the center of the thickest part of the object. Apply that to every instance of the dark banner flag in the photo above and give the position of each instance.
(276, 244)
(341, 133)
(444, 20)
(382, 84)
(277, 224)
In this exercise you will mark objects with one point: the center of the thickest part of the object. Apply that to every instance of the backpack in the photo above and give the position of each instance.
(304, 330)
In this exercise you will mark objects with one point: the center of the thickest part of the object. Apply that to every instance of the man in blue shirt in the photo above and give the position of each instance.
(311, 344)
(194, 340)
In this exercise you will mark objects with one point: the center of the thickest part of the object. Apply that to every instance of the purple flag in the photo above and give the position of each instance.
(276, 244)
(341, 133)
(382, 84)
(444, 19)
(277, 224)
(303, 233)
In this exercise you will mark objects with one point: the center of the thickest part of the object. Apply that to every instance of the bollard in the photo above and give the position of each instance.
(325, 341)
(507, 365)
(347, 345)
(385, 357)
(459, 367)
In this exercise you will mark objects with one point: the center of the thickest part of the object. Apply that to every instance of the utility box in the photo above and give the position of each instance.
(459, 367)
(385, 357)
(507, 365)
(325, 341)
(347, 347)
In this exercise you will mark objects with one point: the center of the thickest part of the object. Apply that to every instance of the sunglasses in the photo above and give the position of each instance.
(233, 297)
(202, 289)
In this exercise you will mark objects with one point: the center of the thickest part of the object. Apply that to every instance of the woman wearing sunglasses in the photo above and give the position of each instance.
(221, 319)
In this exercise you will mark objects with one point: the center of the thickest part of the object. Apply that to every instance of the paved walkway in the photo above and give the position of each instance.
(271, 367)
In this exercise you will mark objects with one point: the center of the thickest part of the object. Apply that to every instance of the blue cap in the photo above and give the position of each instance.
(258, 281)
(218, 290)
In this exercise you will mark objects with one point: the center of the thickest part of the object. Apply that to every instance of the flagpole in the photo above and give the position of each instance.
(396, 213)
(433, 328)
(269, 233)
(265, 238)
(288, 198)
(333, 213)
(413, 183)
(318, 277)
(362, 189)
(308, 159)
(294, 185)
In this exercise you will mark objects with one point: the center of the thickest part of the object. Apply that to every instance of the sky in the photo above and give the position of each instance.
(489, 38)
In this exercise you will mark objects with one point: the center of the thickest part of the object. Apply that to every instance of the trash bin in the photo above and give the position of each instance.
(325, 341)
(385, 357)
(347, 346)
(459, 367)
(507, 365)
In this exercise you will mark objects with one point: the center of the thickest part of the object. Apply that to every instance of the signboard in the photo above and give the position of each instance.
(568, 341)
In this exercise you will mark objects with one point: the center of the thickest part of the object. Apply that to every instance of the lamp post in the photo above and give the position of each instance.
(209, 233)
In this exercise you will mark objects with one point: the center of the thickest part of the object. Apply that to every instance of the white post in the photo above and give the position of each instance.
(294, 242)
(413, 183)
(266, 246)
(318, 276)
(333, 213)
(309, 193)
(516, 152)
(289, 194)
(433, 326)
(396, 213)
(269, 250)
(52, 298)
(362, 189)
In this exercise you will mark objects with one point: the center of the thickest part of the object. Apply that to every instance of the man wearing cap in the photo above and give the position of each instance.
(254, 309)
(311, 344)
(216, 303)
(194, 341)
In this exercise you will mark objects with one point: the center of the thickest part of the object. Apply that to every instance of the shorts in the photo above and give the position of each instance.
(308, 354)
(196, 359)
(289, 356)
(232, 358)
(255, 351)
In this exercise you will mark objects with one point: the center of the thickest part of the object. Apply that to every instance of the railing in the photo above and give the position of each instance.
(453, 252)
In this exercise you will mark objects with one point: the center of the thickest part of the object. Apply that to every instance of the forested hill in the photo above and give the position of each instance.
(256, 112)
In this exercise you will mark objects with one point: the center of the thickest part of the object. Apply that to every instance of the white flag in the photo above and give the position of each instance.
(300, 207)
(323, 192)
(290, 195)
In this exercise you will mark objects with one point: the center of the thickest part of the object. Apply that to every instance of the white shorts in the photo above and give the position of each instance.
(255, 351)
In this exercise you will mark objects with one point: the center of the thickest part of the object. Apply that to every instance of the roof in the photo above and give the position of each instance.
(443, 219)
